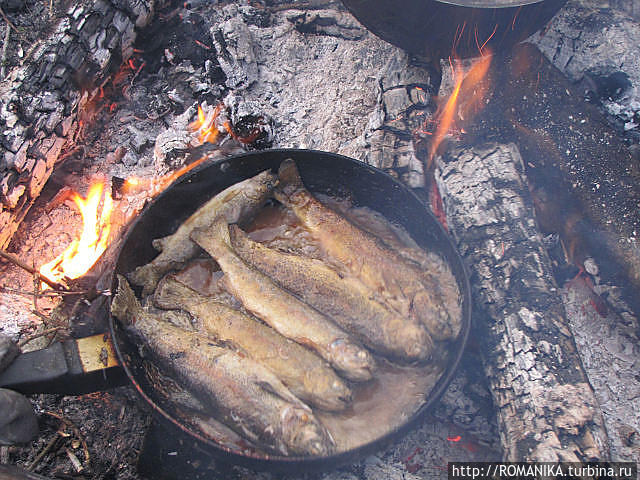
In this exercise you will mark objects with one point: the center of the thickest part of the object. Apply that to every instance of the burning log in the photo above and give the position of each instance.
(545, 405)
(41, 100)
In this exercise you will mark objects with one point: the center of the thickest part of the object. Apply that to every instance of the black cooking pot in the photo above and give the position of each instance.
(435, 29)
(321, 172)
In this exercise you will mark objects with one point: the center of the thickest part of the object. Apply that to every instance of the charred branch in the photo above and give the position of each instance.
(41, 100)
(545, 405)
(16, 261)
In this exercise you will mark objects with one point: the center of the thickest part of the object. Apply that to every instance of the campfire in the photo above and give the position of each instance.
(526, 155)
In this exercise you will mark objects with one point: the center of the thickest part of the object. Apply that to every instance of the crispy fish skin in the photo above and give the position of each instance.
(286, 313)
(345, 299)
(303, 372)
(398, 280)
(239, 201)
(243, 394)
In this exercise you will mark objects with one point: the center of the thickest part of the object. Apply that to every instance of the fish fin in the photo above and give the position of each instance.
(159, 243)
(125, 305)
(231, 345)
(290, 181)
(280, 391)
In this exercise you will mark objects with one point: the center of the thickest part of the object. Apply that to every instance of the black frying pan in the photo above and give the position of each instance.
(322, 173)
(435, 29)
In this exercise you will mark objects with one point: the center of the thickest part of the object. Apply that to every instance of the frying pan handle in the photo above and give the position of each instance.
(72, 367)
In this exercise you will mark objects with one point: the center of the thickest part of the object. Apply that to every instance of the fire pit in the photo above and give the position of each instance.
(528, 156)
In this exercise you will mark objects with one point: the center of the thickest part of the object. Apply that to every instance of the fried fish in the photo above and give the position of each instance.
(241, 393)
(279, 308)
(398, 280)
(343, 298)
(302, 371)
(238, 202)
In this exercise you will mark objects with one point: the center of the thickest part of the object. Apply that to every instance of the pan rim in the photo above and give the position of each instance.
(275, 462)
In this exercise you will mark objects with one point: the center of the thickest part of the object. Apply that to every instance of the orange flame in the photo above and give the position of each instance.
(205, 124)
(206, 130)
(468, 87)
(82, 253)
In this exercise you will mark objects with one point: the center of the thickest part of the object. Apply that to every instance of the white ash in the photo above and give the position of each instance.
(610, 353)
(177, 137)
(599, 48)
(322, 90)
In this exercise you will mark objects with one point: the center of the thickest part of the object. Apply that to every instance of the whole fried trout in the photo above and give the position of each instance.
(286, 313)
(399, 281)
(345, 299)
(238, 202)
(302, 371)
(241, 393)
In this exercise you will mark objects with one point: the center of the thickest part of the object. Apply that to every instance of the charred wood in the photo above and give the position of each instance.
(546, 407)
(41, 100)
(585, 181)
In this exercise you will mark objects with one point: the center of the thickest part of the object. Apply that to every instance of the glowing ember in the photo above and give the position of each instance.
(457, 438)
(82, 253)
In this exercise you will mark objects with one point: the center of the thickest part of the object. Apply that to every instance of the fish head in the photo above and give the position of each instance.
(415, 341)
(265, 183)
(303, 434)
(441, 326)
(354, 361)
(332, 394)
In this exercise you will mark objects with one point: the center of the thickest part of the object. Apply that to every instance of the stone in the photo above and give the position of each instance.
(8, 351)
(18, 423)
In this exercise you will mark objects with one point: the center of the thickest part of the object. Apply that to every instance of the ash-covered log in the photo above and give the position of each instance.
(586, 181)
(40, 100)
(545, 405)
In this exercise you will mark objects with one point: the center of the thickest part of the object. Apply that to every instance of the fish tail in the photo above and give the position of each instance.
(290, 180)
(215, 238)
(220, 231)
(125, 305)
(237, 235)
(147, 276)
(288, 173)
